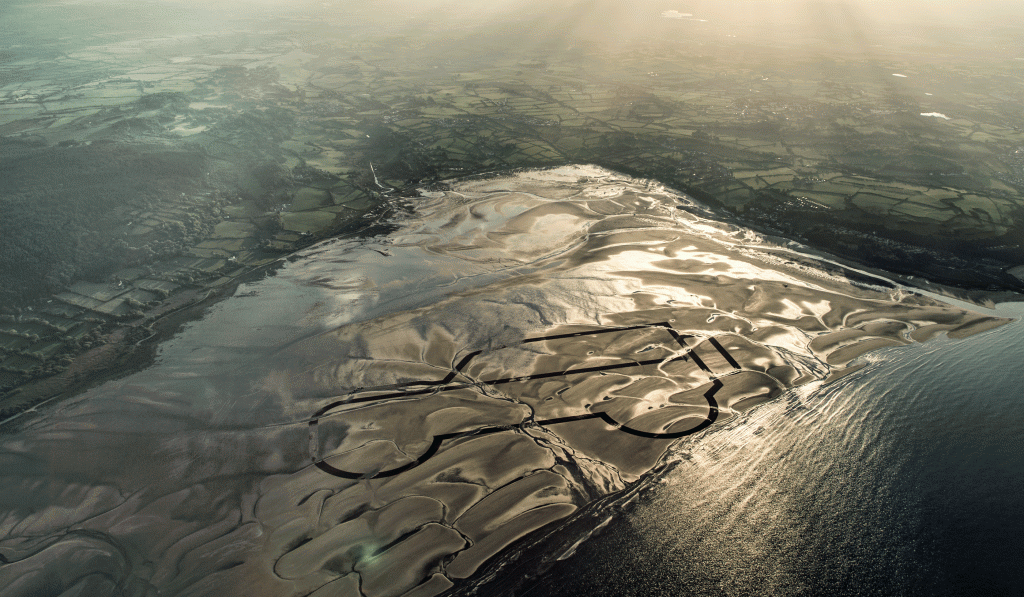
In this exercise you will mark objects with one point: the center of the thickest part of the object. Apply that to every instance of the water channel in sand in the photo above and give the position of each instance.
(384, 416)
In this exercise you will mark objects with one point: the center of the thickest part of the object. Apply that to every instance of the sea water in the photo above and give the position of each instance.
(906, 478)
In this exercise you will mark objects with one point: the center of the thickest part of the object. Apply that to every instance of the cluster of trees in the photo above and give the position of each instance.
(44, 369)
(29, 319)
(63, 207)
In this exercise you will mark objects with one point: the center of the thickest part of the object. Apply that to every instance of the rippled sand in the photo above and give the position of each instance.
(382, 417)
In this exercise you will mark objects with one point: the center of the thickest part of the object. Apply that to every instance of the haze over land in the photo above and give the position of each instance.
(357, 241)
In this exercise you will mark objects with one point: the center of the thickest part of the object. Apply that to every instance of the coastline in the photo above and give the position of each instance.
(518, 347)
(132, 345)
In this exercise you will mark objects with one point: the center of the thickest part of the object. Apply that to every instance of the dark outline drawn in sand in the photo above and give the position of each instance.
(445, 384)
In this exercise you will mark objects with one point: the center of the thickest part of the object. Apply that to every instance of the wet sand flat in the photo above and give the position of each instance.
(384, 416)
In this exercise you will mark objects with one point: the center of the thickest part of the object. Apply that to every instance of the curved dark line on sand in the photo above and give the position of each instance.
(435, 444)
(442, 385)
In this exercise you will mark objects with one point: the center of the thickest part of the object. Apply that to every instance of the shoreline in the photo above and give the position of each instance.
(126, 350)
(689, 327)
(131, 346)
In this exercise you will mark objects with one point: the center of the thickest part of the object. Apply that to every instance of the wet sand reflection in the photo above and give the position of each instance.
(520, 347)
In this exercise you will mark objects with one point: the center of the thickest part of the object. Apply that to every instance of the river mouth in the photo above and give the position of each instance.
(387, 415)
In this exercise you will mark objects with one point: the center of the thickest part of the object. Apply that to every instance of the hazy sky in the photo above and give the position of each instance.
(926, 26)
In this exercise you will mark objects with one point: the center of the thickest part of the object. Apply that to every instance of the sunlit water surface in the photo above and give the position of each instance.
(221, 470)
(908, 479)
